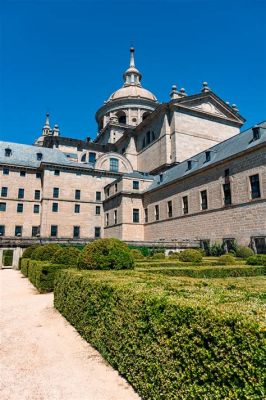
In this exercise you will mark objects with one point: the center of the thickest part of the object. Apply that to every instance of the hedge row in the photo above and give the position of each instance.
(165, 347)
(40, 273)
(210, 272)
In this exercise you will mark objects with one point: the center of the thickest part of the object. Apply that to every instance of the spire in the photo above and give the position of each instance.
(46, 129)
(132, 76)
(47, 123)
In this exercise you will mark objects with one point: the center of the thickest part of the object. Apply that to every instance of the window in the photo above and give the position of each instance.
(77, 208)
(226, 172)
(4, 191)
(115, 217)
(36, 209)
(2, 230)
(114, 164)
(161, 178)
(143, 142)
(146, 218)
(5, 171)
(152, 136)
(83, 158)
(56, 172)
(21, 193)
(77, 194)
(122, 119)
(136, 185)
(227, 194)
(98, 196)
(37, 194)
(189, 165)
(55, 207)
(98, 210)
(204, 199)
(39, 156)
(35, 231)
(157, 213)
(18, 230)
(107, 219)
(97, 232)
(78, 173)
(255, 186)
(23, 173)
(76, 231)
(55, 193)
(108, 192)
(185, 205)
(115, 187)
(2, 206)
(38, 175)
(20, 208)
(170, 209)
(8, 152)
(256, 132)
(53, 230)
(148, 137)
(208, 156)
(92, 157)
(135, 215)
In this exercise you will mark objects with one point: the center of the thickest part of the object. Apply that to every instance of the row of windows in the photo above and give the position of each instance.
(148, 138)
(55, 208)
(8, 153)
(135, 217)
(21, 173)
(135, 185)
(35, 231)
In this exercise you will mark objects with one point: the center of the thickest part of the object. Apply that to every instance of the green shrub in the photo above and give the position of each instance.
(136, 254)
(67, 256)
(174, 255)
(8, 257)
(244, 252)
(166, 348)
(146, 251)
(226, 259)
(42, 274)
(45, 252)
(158, 256)
(216, 250)
(258, 259)
(106, 254)
(24, 263)
(190, 255)
(27, 253)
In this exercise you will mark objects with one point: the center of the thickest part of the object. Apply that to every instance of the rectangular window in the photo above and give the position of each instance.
(97, 232)
(98, 196)
(37, 194)
(157, 213)
(76, 231)
(227, 175)
(227, 194)
(18, 230)
(2, 206)
(2, 230)
(97, 210)
(5, 171)
(255, 186)
(53, 230)
(4, 191)
(135, 215)
(115, 187)
(77, 194)
(55, 193)
(170, 209)
(107, 219)
(136, 185)
(21, 193)
(77, 208)
(113, 164)
(22, 173)
(185, 205)
(55, 207)
(36, 209)
(92, 157)
(204, 199)
(56, 172)
(78, 173)
(35, 231)
(38, 175)
(146, 217)
(115, 217)
(107, 192)
(20, 208)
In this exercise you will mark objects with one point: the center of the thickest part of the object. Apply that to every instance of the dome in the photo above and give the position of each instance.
(132, 91)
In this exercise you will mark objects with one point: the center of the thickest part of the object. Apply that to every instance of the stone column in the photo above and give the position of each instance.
(1, 258)
(16, 256)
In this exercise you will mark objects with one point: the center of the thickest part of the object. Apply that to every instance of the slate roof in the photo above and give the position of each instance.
(234, 145)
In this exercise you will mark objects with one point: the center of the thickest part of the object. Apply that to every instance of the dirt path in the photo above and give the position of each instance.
(43, 357)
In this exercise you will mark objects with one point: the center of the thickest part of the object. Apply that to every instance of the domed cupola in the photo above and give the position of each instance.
(130, 104)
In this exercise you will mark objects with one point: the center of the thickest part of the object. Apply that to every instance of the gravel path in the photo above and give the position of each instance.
(43, 357)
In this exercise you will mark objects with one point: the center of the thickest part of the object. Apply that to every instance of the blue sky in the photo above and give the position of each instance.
(67, 57)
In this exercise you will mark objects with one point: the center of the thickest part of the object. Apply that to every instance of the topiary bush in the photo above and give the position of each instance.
(137, 254)
(244, 252)
(258, 259)
(190, 255)
(29, 250)
(45, 252)
(42, 274)
(67, 256)
(106, 254)
(174, 255)
(226, 259)
(158, 256)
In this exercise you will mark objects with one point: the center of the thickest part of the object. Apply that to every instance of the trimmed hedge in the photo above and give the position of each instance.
(45, 252)
(244, 252)
(66, 255)
(166, 346)
(24, 263)
(27, 253)
(259, 259)
(226, 259)
(190, 255)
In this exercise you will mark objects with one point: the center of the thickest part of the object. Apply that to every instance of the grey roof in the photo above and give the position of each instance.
(230, 147)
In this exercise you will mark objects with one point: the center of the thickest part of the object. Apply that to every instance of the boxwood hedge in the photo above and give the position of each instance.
(167, 346)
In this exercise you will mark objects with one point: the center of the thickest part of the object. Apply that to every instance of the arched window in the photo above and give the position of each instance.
(122, 118)
(148, 136)
(145, 115)
(83, 158)
(113, 164)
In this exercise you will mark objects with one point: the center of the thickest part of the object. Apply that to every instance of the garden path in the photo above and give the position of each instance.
(43, 357)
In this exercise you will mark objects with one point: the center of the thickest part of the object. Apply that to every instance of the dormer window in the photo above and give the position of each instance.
(8, 152)
(39, 156)
(161, 178)
(256, 132)
(189, 164)
(208, 156)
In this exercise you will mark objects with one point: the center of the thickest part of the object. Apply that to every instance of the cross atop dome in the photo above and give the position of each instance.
(132, 76)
